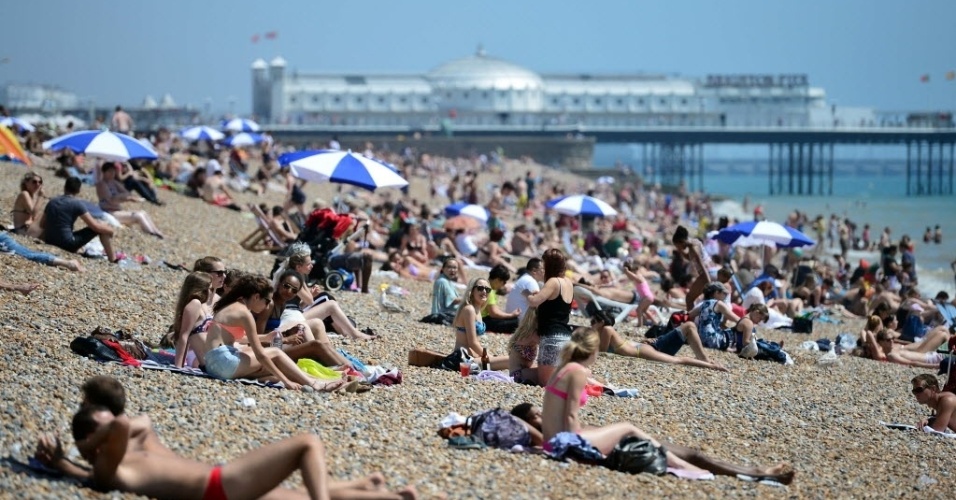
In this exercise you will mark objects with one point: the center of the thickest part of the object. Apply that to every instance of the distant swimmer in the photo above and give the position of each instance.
(938, 235)
(928, 235)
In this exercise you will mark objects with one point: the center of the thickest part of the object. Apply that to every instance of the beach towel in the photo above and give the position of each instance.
(927, 429)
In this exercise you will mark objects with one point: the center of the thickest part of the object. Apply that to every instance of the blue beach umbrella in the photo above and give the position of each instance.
(243, 139)
(768, 233)
(343, 167)
(11, 122)
(110, 146)
(580, 204)
(201, 133)
(240, 125)
(471, 210)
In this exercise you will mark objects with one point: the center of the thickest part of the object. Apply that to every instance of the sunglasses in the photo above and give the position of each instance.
(918, 390)
(218, 273)
(36, 181)
(290, 287)
(486, 289)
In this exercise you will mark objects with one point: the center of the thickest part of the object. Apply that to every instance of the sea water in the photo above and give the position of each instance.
(879, 201)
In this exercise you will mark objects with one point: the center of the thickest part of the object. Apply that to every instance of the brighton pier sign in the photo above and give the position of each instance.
(785, 80)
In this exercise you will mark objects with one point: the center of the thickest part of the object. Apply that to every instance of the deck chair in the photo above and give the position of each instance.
(600, 303)
(262, 239)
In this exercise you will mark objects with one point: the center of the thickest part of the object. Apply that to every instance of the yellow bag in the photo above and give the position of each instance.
(316, 370)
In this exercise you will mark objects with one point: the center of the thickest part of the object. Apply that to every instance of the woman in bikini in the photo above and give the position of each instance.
(612, 343)
(233, 320)
(314, 304)
(408, 267)
(523, 349)
(311, 341)
(113, 194)
(215, 268)
(565, 395)
(468, 325)
(414, 243)
(27, 208)
(193, 314)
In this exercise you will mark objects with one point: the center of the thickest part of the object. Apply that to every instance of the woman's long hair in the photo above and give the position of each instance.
(245, 287)
(527, 328)
(584, 342)
(467, 299)
(298, 253)
(195, 287)
(555, 264)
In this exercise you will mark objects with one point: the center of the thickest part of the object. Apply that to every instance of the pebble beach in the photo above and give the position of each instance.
(823, 420)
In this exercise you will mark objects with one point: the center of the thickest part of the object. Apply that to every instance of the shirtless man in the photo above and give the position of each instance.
(127, 455)
(926, 392)
(122, 122)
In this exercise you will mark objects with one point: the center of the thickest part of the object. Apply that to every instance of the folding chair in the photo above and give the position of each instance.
(262, 239)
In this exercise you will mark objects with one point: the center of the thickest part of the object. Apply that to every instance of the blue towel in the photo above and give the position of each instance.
(358, 365)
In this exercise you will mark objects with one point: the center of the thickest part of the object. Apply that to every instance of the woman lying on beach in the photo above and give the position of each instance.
(641, 293)
(661, 350)
(894, 353)
(232, 321)
(113, 194)
(523, 349)
(408, 267)
(313, 304)
(27, 208)
(564, 396)
(468, 325)
(311, 341)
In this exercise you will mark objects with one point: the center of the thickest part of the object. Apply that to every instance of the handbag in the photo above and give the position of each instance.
(802, 325)
(454, 359)
(635, 455)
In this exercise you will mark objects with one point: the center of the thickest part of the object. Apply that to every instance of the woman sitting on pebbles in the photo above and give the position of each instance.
(193, 314)
(215, 268)
(468, 325)
(113, 194)
(311, 341)
(523, 349)
(27, 208)
(232, 321)
(564, 396)
(300, 260)
(662, 350)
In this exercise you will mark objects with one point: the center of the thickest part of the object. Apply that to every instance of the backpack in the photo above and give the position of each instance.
(635, 455)
(499, 429)
(677, 319)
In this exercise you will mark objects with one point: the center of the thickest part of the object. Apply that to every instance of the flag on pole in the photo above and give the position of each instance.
(255, 38)
(271, 35)
(924, 78)
(951, 75)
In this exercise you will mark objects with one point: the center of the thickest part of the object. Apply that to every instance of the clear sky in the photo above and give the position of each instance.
(863, 52)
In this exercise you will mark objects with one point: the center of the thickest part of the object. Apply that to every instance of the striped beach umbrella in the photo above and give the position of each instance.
(240, 125)
(110, 146)
(201, 133)
(343, 167)
(752, 233)
(11, 122)
(469, 209)
(243, 139)
(580, 204)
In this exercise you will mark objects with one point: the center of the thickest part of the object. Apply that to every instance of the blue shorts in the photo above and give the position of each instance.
(670, 342)
(222, 362)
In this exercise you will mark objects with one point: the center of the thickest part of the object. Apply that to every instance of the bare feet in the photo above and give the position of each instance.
(25, 289)
(782, 473)
(408, 493)
(74, 265)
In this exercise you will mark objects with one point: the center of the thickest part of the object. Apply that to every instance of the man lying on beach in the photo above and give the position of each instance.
(926, 391)
(127, 455)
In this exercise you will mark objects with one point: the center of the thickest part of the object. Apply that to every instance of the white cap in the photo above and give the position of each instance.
(213, 167)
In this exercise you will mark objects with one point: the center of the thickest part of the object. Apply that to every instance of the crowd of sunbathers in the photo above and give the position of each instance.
(228, 322)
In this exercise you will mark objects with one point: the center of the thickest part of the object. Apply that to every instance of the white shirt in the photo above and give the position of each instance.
(465, 244)
(753, 296)
(516, 298)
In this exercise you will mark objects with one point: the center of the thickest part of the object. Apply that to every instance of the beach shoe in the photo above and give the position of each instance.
(750, 350)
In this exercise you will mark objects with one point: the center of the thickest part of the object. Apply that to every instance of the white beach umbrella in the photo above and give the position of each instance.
(110, 146)
(471, 210)
(201, 133)
(11, 122)
(243, 139)
(752, 233)
(342, 167)
(240, 125)
(580, 204)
